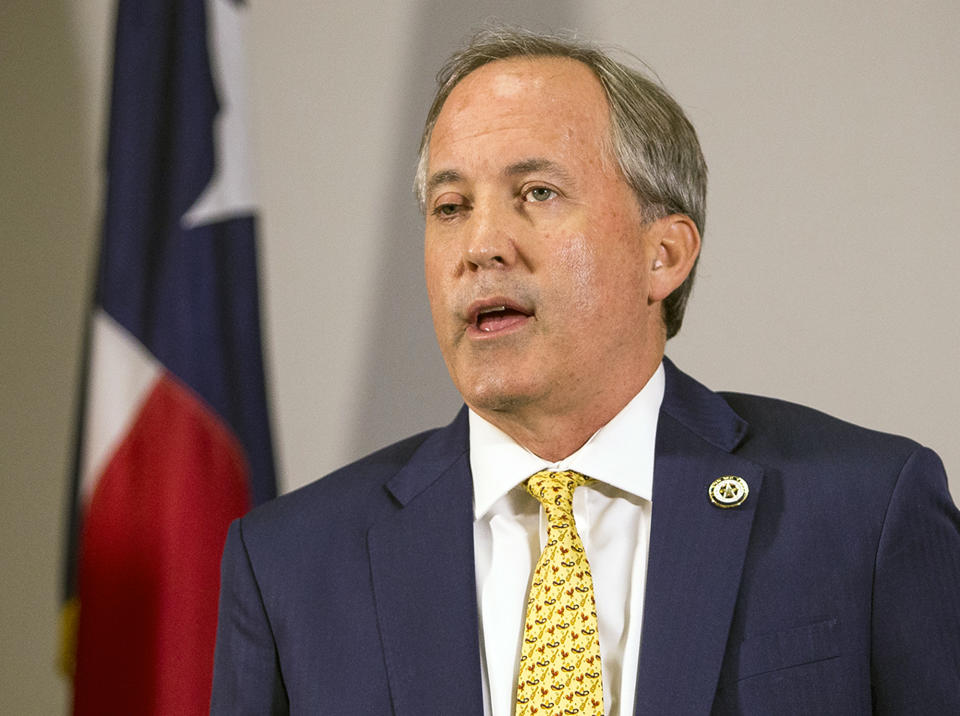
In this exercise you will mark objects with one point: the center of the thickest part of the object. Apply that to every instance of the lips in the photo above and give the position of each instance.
(493, 316)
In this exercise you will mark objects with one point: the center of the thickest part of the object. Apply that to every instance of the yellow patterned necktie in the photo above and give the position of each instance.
(560, 661)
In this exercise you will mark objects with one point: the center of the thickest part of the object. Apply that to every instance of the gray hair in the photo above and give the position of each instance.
(652, 140)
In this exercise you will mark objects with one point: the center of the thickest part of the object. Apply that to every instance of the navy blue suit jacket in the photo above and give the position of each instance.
(834, 589)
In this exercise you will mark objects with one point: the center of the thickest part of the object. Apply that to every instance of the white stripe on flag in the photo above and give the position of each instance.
(121, 375)
(230, 192)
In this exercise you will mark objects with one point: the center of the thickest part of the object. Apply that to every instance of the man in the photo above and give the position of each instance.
(745, 555)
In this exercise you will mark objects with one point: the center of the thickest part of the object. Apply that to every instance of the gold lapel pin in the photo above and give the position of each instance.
(728, 491)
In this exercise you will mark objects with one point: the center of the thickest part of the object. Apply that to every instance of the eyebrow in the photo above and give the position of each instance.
(524, 166)
(537, 164)
(445, 176)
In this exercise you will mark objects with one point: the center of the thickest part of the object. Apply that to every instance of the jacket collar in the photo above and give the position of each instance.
(700, 410)
(438, 453)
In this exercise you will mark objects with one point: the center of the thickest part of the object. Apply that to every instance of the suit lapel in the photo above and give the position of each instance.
(421, 563)
(697, 550)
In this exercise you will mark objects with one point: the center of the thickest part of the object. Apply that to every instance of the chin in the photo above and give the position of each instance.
(496, 394)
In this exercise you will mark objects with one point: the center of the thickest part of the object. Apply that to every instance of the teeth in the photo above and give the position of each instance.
(492, 309)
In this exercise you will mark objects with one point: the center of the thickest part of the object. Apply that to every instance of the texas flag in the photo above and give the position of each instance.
(174, 438)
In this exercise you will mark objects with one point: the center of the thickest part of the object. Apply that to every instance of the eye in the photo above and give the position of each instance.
(446, 209)
(538, 194)
(448, 206)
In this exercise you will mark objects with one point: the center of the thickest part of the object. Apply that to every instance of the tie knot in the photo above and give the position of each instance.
(555, 489)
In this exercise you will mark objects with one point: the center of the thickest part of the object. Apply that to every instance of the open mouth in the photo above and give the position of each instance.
(496, 317)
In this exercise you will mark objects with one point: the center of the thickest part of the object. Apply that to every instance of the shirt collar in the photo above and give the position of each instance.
(620, 453)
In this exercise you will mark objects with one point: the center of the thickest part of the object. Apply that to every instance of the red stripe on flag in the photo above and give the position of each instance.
(150, 548)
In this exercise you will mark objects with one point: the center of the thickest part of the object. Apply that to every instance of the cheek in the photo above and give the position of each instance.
(436, 291)
(598, 283)
(433, 267)
(577, 275)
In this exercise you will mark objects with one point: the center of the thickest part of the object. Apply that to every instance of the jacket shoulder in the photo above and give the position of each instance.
(791, 430)
(355, 493)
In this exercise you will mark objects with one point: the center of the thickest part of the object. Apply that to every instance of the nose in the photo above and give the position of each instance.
(488, 243)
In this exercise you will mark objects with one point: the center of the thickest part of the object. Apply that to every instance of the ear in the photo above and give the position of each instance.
(676, 245)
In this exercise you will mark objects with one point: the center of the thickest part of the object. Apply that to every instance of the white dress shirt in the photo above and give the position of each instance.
(613, 519)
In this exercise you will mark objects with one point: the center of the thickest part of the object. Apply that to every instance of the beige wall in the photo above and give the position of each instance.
(828, 276)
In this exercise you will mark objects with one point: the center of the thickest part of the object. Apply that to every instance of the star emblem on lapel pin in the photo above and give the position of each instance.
(728, 491)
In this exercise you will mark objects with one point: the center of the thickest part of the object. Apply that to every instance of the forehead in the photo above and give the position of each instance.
(555, 99)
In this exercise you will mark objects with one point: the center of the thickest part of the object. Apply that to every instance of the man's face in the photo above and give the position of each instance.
(536, 256)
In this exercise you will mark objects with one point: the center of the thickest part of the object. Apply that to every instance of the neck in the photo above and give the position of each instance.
(554, 433)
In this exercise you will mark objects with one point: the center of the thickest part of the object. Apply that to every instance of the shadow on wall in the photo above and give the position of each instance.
(405, 383)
